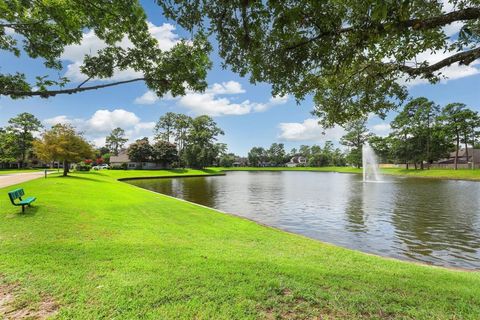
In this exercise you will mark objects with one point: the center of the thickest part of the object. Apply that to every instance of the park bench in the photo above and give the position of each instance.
(18, 194)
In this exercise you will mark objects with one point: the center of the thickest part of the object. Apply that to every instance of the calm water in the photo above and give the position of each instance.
(431, 221)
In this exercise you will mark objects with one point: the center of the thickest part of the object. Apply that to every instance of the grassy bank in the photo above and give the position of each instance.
(93, 247)
(461, 174)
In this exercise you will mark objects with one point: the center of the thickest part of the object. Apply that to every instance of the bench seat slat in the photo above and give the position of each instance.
(27, 200)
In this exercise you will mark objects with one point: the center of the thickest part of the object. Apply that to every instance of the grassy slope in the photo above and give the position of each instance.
(463, 174)
(103, 248)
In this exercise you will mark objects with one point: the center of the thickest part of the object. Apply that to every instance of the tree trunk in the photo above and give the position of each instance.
(466, 148)
(415, 164)
(456, 151)
(406, 165)
(421, 165)
(65, 168)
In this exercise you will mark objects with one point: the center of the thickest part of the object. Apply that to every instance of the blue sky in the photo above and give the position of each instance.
(247, 113)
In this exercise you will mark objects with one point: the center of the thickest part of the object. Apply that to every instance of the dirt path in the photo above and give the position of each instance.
(15, 178)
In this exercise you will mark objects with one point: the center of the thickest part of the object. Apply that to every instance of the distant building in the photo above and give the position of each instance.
(122, 158)
(463, 160)
(297, 161)
(240, 162)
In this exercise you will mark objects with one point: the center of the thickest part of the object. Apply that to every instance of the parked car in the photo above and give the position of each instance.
(101, 166)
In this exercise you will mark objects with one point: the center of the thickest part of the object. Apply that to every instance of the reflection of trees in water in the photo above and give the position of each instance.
(200, 190)
(432, 216)
(355, 215)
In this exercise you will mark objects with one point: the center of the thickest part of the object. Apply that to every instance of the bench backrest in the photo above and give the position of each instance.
(16, 194)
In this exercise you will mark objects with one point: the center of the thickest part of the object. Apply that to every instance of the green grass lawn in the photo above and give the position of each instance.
(98, 248)
(10, 171)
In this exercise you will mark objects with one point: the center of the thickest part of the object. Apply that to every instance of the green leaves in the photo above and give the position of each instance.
(351, 56)
(42, 29)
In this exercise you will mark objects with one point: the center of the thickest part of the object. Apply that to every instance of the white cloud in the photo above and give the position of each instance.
(9, 31)
(148, 97)
(452, 72)
(230, 87)
(103, 121)
(309, 130)
(447, 5)
(211, 103)
(91, 44)
(208, 103)
(454, 27)
(58, 120)
(278, 100)
(381, 129)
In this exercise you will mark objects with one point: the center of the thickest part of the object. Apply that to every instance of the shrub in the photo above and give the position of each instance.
(122, 166)
(82, 166)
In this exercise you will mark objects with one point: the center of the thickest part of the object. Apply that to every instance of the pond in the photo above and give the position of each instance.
(425, 220)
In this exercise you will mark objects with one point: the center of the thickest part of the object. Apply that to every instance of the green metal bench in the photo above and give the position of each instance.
(18, 194)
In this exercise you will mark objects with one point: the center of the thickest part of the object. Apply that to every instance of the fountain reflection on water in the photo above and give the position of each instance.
(370, 164)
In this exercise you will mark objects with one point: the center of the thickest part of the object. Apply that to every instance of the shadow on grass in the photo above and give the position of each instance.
(209, 171)
(79, 177)
(178, 170)
(16, 212)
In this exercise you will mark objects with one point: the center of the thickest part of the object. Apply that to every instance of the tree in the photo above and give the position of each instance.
(457, 120)
(200, 149)
(140, 150)
(22, 127)
(62, 143)
(348, 54)
(416, 125)
(46, 28)
(116, 140)
(382, 147)
(276, 154)
(106, 157)
(304, 150)
(257, 156)
(101, 151)
(8, 147)
(227, 160)
(181, 126)
(164, 127)
(164, 152)
(356, 136)
(470, 129)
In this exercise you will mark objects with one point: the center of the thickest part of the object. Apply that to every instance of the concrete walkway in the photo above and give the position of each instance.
(15, 178)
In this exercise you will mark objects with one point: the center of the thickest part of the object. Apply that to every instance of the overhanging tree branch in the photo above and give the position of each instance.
(51, 93)
(415, 24)
(464, 58)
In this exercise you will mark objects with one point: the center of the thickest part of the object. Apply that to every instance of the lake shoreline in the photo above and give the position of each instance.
(442, 174)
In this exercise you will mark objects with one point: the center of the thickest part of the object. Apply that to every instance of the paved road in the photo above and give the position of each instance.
(15, 178)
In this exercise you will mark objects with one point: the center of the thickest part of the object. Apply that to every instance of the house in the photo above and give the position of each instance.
(463, 160)
(297, 161)
(122, 159)
(240, 162)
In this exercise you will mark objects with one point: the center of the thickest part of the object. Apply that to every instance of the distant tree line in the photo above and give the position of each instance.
(422, 133)
(315, 156)
(182, 141)
(179, 141)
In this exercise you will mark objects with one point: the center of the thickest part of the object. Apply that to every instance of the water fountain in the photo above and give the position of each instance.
(370, 164)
